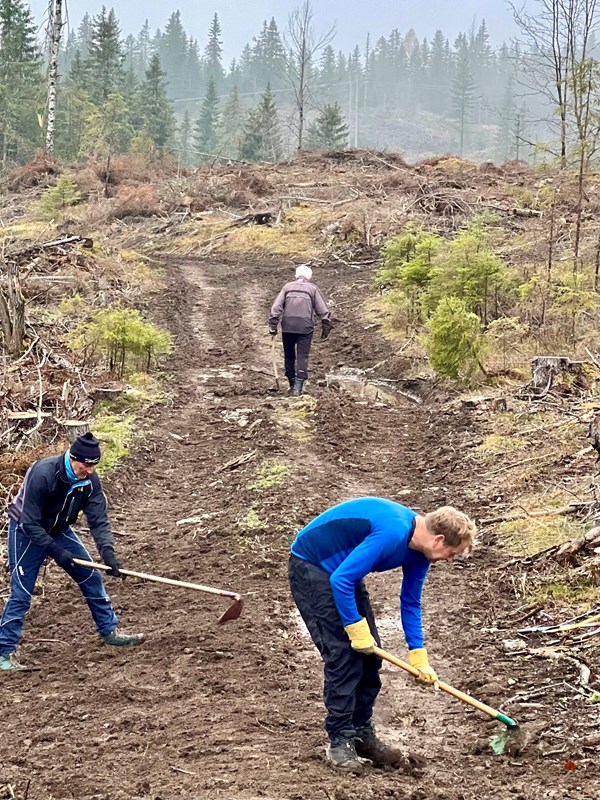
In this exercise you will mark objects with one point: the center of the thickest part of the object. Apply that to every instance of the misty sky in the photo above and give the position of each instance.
(242, 19)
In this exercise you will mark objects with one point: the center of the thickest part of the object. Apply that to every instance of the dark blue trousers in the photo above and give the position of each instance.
(352, 680)
(296, 349)
(25, 559)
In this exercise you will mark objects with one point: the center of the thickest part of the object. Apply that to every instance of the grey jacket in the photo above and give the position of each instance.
(295, 306)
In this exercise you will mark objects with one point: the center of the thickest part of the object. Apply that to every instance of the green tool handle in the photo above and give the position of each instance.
(445, 687)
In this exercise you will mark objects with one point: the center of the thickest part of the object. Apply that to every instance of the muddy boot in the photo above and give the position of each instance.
(119, 639)
(291, 382)
(297, 388)
(341, 752)
(10, 662)
(368, 745)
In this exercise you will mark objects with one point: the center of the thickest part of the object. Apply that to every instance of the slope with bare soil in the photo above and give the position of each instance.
(202, 711)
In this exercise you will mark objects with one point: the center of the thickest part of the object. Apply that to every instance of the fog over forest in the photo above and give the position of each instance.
(419, 78)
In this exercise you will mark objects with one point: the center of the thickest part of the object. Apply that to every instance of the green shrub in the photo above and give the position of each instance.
(123, 338)
(61, 196)
(454, 342)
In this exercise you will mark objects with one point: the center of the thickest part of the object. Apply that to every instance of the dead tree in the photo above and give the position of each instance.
(303, 45)
(12, 306)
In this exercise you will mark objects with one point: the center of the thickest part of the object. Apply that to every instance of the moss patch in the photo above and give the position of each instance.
(269, 475)
(251, 521)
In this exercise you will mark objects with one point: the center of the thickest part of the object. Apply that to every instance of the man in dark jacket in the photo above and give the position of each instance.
(54, 492)
(329, 559)
(294, 307)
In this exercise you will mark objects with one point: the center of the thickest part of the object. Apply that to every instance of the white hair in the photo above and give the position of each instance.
(304, 271)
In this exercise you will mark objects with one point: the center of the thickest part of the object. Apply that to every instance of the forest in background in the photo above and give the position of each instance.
(164, 91)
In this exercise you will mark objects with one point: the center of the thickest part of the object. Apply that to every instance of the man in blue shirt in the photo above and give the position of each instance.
(329, 559)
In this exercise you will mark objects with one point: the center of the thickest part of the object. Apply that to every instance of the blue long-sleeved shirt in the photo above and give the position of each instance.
(366, 535)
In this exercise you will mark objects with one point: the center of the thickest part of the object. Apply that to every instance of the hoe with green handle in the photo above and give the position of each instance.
(233, 612)
(499, 743)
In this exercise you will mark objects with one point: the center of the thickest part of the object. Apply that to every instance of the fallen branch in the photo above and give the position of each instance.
(236, 462)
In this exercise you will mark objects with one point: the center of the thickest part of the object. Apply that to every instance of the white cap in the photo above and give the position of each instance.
(304, 271)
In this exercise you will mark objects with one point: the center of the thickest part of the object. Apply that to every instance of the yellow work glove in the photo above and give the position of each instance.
(419, 660)
(360, 636)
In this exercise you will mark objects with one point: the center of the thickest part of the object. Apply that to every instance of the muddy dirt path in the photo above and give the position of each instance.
(202, 711)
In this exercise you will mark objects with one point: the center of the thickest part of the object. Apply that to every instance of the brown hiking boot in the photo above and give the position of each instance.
(369, 745)
(341, 753)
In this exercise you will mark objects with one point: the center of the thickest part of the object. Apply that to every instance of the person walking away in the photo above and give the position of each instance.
(295, 307)
(329, 559)
(55, 490)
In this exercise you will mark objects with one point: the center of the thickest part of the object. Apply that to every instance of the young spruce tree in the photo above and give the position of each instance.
(261, 140)
(328, 131)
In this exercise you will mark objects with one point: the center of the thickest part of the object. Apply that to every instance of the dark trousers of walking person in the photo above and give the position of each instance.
(352, 680)
(296, 349)
(25, 559)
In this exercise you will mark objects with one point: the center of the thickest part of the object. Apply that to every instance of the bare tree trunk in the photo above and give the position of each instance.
(303, 45)
(54, 33)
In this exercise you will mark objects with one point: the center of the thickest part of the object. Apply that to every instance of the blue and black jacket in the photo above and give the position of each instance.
(366, 535)
(48, 503)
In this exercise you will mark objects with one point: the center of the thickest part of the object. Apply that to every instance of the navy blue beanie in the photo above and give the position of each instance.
(86, 448)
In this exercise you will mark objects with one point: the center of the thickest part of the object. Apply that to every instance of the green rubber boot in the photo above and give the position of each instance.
(119, 639)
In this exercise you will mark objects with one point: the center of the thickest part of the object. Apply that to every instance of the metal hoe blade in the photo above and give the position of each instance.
(233, 612)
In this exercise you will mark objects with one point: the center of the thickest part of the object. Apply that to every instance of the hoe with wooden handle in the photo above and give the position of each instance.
(233, 612)
(499, 743)
(274, 362)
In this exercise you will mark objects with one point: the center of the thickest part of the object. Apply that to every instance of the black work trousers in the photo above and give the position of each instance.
(352, 680)
(296, 349)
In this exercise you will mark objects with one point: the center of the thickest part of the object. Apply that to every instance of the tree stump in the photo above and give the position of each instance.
(545, 369)
(74, 428)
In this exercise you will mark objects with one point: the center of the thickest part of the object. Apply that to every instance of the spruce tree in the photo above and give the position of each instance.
(84, 36)
(173, 51)
(21, 82)
(329, 131)
(106, 56)
(438, 83)
(462, 97)
(231, 126)
(143, 50)
(213, 53)
(261, 140)
(327, 74)
(205, 135)
(159, 120)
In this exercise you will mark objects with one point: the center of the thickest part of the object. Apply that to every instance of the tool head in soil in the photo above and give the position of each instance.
(234, 610)
(508, 741)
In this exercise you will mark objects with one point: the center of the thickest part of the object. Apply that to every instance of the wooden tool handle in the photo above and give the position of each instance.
(445, 687)
(158, 579)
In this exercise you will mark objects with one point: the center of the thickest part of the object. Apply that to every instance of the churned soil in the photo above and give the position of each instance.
(235, 711)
